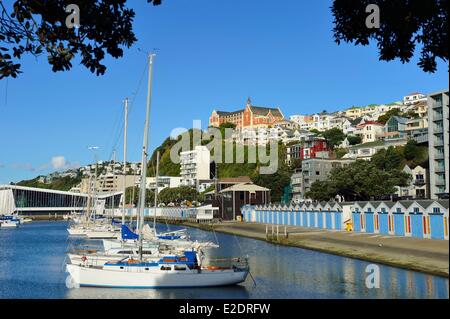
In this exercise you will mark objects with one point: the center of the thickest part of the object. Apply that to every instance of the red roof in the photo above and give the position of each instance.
(370, 122)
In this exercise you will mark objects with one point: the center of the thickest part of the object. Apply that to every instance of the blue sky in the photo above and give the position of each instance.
(212, 54)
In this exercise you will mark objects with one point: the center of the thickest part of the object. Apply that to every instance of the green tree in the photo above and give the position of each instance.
(132, 196)
(354, 140)
(334, 137)
(32, 27)
(403, 25)
(411, 150)
(360, 180)
(321, 191)
(340, 152)
(177, 195)
(389, 159)
(385, 117)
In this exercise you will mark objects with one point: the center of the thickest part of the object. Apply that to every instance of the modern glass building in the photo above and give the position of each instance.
(28, 200)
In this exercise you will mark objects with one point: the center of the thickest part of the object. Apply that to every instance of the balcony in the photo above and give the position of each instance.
(419, 182)
(439, 169)
(437, 105)
(440, 182)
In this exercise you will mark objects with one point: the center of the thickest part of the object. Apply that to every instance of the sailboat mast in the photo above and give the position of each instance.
(156, 190)
(125, 160)
(145, 154)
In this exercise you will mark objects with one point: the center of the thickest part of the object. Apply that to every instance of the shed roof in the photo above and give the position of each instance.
(245, 187)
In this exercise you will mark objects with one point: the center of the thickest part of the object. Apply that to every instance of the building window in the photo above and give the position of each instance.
(436, 210)
(317, 173)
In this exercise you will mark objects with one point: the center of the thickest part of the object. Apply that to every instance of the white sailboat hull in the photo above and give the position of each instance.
(109, 244)
(103, 234)
(77, 231)
(98, 277)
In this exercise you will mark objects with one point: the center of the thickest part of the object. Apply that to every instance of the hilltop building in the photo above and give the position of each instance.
(414, 98)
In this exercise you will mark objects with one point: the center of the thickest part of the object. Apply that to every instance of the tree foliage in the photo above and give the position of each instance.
(177, 195)
(389, 159)
(354, 140)
(360, 180)
(404, 24)
(58, 183)
(393, 112)
(32, 27)
(132, 196)
(334, 137)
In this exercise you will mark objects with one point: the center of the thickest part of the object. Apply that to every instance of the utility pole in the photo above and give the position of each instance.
(125, 160)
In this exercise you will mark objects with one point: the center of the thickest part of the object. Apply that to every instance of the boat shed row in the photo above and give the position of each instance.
(414, 218)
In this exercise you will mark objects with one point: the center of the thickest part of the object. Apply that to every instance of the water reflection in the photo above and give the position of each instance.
(32, 257)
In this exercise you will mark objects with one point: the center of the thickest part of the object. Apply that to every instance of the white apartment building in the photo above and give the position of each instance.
(414, 98)
(438, 143)
(322, 121)
(417, 188)
(195, 166)
(107, 183)
(163, 182)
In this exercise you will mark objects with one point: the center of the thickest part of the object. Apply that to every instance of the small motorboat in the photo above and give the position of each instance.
(9, 224)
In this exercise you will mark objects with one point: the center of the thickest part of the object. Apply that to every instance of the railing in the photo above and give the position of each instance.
(419, 182)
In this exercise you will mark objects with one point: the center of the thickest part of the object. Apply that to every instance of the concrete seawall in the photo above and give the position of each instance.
(423, 255)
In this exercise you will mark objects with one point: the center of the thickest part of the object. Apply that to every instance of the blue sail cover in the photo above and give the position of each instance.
(114, 221)
(169, 237)
(128, 234)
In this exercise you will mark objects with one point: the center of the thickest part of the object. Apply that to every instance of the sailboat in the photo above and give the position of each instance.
(169, 271)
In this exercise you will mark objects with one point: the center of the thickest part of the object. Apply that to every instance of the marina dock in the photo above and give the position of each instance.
(423, 255)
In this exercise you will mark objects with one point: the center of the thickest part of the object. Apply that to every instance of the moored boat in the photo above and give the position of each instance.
(168, 272)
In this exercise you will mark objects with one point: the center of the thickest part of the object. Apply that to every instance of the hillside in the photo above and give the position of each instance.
(57, 183)
(276, 182)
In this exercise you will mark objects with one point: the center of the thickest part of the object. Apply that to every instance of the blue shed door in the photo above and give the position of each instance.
(320, 219)
(292, 218)
(328, 220)
(369, 222)
(297, 218)
(383, 223)
(399, 224)
(338, 220)
(437, 226)
(356, 221)
(314, 219)
(417, 225)
(305, 219)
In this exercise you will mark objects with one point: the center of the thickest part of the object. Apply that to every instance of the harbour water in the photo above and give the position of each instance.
(32, 260)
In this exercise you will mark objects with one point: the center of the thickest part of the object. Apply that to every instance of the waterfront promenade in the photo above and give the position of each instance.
(424, 255)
